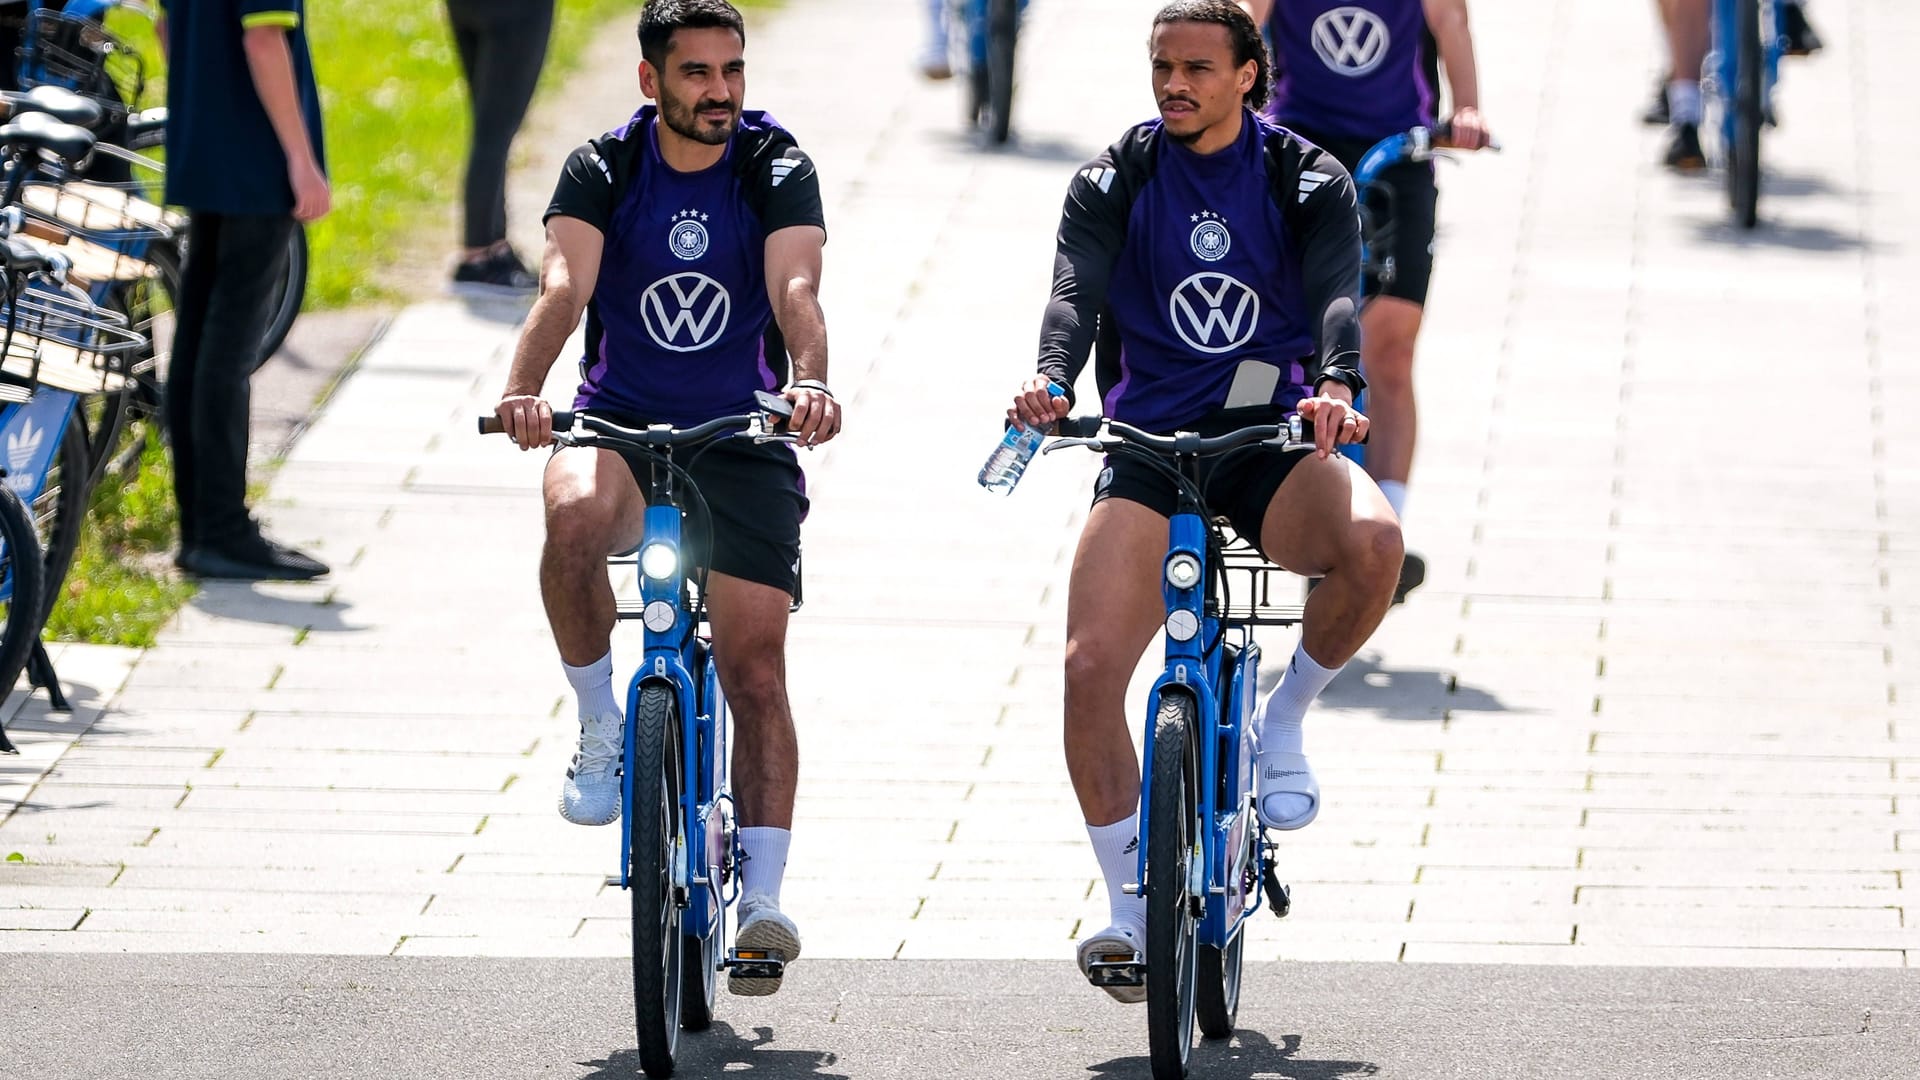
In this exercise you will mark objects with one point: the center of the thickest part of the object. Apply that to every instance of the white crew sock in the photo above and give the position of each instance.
(593, 686)
(1396, 493)
(1279, 722)
(1683, 101)
(766, 863)
(1117, 846)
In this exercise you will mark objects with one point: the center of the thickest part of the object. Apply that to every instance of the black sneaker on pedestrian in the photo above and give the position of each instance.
(249, 558)
(501, 271)
(1413, 573)
(1658, 114)
(1683, 150)
(1800, 38)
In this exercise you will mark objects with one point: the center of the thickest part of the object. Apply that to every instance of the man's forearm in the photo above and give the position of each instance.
(270, 61)
(549, 325)
(1448, 21)
(804, 326)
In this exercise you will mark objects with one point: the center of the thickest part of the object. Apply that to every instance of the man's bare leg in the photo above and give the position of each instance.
(1327, 519)
(593, 508)
(1113, 609)
(750, 644)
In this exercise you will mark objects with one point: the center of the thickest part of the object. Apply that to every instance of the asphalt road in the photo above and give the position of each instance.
(247, 1017)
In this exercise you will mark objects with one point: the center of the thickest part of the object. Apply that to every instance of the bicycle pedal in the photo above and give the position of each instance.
(1117, 969)
(755, 964)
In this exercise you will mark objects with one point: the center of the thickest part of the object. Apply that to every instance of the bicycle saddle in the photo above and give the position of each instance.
(63, 105)
(40, 131)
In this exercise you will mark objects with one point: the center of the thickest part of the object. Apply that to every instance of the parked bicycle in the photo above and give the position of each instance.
(1204, 858)
(679, 852)
(71, 48)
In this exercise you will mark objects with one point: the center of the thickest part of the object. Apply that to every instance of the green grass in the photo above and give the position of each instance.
(395, 109)
(122, 587)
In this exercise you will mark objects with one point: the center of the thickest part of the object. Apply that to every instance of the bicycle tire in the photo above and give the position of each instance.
(290, 293)
(1216, 986)
(59, 511)
(1003, 30)
(653, 824)
(24, 603)
(150, 313)
(1743, 156)
(1171, 836)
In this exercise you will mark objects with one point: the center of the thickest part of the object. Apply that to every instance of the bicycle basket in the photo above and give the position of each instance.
(1253, 586)
(65, 342)
(110, 215)
(83, 56)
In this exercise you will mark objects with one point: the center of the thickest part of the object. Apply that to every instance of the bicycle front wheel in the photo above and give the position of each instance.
(1003, 29)
(653, 828)
(1743, 156)
(1172, 837)
(22, 602)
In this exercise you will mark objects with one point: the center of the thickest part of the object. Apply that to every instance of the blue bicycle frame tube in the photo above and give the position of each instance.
(1726, 67)
(665, 665)
(31, 433)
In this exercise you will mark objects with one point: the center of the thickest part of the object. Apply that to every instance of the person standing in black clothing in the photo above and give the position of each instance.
(503, 44)
(244, 155)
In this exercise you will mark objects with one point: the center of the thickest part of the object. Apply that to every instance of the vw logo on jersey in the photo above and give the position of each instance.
(685, 312)
(687, 237)
(1210, 239)
(1351, 41)
(1214, 313)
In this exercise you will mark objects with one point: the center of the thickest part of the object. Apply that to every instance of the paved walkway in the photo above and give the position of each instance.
(1655, 705)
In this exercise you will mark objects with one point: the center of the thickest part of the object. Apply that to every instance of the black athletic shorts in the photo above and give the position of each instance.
(1404, 203)
(758, 498)
(1239, 486)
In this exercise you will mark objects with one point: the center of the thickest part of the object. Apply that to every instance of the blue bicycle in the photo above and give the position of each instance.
(1204, 857)
(679, 851)
(1749, 39)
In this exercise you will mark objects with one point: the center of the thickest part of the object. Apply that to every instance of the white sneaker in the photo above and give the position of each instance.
(591, 795)
(1115, 939)
(763, 929)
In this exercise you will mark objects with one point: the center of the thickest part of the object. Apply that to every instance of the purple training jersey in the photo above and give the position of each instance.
(1350, 70)
(1208, 280)
(680, 329)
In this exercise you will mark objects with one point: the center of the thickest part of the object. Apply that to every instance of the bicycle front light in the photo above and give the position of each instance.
(659, 561)
(1183, 571)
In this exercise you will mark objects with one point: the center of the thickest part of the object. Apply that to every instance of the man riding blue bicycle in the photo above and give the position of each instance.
(691, 238)
(1215, 257)
(1352, 73)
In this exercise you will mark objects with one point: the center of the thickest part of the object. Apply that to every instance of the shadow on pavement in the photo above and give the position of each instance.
(722, 1049)
(1397, 693)
(235, 600)
(1248, 1054)
(1801, 237)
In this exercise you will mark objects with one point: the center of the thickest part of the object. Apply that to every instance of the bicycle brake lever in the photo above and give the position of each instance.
(1091, 443)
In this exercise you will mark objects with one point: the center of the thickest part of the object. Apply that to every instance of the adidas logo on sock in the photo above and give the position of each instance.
(1274, 772)
(1133, 845)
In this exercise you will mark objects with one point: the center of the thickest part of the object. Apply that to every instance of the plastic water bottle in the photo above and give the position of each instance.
(1009, 460)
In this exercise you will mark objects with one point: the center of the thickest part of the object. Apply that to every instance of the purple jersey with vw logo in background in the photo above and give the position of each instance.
(679, 329)
(1349, 70)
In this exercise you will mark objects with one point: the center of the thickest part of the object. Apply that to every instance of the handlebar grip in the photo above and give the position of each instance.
(490, 423)
(1078, 427)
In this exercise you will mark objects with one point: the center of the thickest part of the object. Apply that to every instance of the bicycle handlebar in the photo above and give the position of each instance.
(658, 435)
(1102, 433)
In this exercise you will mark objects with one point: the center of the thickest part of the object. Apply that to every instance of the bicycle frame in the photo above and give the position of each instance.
(1205, 666)
(1724, 64)
(679, 659)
